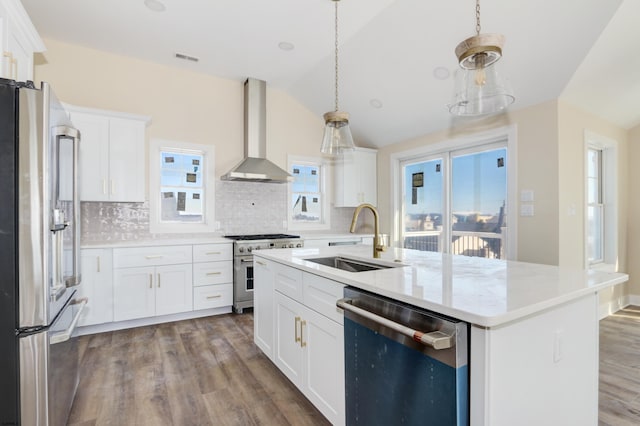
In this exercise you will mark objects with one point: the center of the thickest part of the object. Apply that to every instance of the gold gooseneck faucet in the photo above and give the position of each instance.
(377, 241)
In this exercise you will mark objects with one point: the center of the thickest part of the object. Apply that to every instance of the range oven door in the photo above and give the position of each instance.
(243, 279)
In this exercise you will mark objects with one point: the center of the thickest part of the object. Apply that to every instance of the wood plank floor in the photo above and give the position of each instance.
(207, 371)
(204, 371)
(620, 368)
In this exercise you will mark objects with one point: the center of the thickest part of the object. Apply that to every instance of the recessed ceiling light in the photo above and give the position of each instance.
(285, 45)
(441, 73)
(376, 103)
(155, 5)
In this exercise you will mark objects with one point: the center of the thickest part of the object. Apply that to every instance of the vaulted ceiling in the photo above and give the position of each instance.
(584, 51)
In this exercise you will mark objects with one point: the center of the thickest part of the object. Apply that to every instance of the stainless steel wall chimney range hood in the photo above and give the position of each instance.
(255, 167)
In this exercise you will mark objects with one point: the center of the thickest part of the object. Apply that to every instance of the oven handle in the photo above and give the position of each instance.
(435, 339)
(246, 260)
(63, 336)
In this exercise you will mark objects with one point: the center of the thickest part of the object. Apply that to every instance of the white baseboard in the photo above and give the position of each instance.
(615, 305)
(121, 325)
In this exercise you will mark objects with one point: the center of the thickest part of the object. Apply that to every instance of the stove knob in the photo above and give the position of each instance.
(291, 245)
(299, 245)
(249, 249)
(256, 248)
(241, 249)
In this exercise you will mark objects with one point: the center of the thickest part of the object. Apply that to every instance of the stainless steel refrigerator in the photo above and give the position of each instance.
(39, 256)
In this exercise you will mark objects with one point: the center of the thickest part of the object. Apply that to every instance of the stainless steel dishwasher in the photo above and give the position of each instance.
(403, 365)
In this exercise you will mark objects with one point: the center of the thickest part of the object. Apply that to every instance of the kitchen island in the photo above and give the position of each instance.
(533, 328)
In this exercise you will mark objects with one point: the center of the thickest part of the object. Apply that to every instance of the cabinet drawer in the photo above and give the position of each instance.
(288, 281)
(212, 252)
(212, 296)
(321, 294)
(151, 256)
(212, 273)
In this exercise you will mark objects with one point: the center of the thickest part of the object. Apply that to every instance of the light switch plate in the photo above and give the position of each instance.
(526, 195)
(526, 210)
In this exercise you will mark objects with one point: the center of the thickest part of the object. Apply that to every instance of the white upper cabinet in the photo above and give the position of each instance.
(112, 161)
(18, 42)
(355, 178)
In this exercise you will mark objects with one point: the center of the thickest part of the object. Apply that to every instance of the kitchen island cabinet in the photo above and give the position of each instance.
(533, 328)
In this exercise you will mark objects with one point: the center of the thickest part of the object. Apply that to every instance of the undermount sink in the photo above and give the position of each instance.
(350, 265)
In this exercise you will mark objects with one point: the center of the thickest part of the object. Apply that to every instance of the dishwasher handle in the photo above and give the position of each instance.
(435, 339)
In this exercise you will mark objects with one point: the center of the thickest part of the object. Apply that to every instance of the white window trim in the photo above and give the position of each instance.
(609, 148)
(324, 190)
(466, 142)
(208, 151)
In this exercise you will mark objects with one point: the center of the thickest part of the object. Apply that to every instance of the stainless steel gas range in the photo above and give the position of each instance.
(243, 247)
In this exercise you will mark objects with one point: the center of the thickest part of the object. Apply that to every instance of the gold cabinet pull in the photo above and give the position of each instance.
(98, 264)
(214, 273)
(158, 280)
(153, 256)
(213, 252)
(302, 342)
(261, 263)
(104, 186)
(150, 280)
(217, 296)
(296, 329)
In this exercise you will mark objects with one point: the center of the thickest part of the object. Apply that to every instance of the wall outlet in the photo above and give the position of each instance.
(526, 210)
(526, 195)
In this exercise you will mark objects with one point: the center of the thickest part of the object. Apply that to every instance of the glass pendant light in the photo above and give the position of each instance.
(337, 135)
(479, 88)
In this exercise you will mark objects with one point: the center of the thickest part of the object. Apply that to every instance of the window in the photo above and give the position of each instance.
(601, 205)
(181, 187)
(595, 207)
(308, 200)
(455, 197)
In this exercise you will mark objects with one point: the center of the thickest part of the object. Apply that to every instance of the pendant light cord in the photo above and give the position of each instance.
(477, 17)
(336, 52)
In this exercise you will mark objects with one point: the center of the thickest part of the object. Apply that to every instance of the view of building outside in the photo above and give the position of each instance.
(478, 192)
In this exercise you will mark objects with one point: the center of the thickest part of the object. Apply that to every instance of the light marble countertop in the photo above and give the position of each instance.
(156, 242)
(485, 292)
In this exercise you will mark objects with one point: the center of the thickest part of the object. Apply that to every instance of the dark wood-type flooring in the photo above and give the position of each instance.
(204, 371)
(207, 371)
(620, 368)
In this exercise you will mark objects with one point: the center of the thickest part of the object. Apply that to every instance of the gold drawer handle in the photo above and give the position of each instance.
(297, 338)
(214, 273)
(261, 263)
(217, 296)
(213, 252)
(155, 256)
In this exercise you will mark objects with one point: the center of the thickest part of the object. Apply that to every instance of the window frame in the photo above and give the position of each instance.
(323, 166)
(504, 136)
(156, 226)
(609, 200)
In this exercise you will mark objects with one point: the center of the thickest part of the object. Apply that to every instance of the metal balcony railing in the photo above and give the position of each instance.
(478, 244)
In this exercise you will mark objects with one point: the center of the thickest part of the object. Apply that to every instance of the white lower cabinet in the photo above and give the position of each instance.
(150, 281)
(152, 290)
(297, 325)
(97, 286)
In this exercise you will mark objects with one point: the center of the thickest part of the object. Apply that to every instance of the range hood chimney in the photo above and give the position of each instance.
(255, 167)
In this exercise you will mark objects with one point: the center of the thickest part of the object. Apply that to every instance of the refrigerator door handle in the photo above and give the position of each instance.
(65, 335)
(73, 134)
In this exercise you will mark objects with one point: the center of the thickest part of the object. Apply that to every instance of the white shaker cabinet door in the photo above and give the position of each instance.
(94, 156)
(127, 163)
(174, 291)
(97, 286)
(323, 341)
(134, 293)
(288, 353)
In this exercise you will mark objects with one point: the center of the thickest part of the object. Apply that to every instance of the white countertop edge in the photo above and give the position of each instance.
(484, 321)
